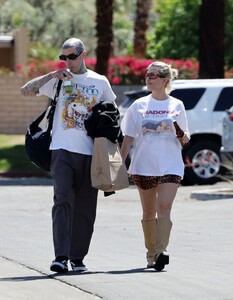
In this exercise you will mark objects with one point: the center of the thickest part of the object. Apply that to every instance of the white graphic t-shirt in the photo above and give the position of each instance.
(157, 151)
(74, 107)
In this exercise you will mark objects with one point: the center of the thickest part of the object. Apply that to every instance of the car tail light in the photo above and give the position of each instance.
(230, 116)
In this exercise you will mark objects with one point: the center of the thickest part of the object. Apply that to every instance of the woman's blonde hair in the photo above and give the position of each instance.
(165, 71)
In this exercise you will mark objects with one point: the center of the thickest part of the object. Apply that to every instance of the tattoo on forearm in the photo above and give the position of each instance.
(32, 87)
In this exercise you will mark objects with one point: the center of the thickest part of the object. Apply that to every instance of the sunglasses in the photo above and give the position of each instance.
(71, 56)
(153, 75)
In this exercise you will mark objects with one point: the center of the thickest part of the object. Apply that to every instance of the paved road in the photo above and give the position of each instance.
(201, 256)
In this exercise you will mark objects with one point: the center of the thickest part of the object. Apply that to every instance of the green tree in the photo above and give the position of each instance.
(123, 22)
(176, 32)
(173, 30)
(50, 22)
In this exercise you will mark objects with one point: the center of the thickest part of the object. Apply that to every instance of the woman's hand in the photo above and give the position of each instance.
(126, 145)
(186, 137)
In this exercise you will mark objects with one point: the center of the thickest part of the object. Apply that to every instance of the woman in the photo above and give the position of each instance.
(157, 166)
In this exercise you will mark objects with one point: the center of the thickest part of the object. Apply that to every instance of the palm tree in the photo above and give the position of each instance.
(212, 19)
(140, 27)
(104, 33)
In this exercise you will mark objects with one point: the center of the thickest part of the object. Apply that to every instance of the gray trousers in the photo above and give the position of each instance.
(75, 201)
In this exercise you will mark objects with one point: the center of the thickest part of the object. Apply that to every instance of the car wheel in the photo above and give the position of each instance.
(202, 163)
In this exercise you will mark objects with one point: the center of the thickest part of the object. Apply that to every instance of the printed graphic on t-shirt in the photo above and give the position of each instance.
(158, 123)
(77, 105)
(156, 126)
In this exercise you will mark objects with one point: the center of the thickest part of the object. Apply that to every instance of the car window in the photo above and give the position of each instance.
(225, 99)
(132, 96)
(127, 102)
(189, 97)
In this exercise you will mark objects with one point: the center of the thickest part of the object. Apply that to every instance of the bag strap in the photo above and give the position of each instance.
(54, 101)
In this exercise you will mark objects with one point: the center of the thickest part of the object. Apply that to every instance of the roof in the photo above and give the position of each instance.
(202, 82)
(6, 41)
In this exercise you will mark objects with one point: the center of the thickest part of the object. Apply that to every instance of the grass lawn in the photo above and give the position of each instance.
(13, 158)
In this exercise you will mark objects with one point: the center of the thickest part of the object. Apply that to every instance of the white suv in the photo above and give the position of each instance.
(227, 140)
(205, 101)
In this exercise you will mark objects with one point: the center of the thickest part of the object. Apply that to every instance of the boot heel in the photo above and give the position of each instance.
(162, 259)
(165, 256)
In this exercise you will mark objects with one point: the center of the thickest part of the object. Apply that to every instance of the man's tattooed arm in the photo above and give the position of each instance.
(32, 87)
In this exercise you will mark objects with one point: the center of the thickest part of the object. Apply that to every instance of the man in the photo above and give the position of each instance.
(74, 209)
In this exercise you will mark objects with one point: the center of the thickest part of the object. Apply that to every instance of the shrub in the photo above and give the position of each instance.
(122, 70)
(129, 70)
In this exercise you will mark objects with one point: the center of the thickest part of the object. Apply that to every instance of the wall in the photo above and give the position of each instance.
(17, 111)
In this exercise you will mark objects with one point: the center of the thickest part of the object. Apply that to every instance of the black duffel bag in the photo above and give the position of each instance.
(38, 136)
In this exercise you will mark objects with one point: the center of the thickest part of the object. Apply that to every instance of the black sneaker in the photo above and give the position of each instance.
(59, 265)
(78, 265)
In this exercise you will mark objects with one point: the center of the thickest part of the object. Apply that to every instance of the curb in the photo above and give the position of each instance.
(7, 181)
(213, 194)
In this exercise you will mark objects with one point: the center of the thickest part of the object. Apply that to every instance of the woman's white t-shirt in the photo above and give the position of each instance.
(157, 151)
(74, 107)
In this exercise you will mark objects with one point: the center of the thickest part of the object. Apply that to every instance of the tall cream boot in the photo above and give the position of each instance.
(164, 226)
(149, 230)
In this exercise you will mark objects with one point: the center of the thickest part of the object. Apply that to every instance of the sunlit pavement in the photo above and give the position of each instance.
(200, 248)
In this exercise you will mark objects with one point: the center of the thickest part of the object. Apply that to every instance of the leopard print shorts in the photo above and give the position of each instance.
(148, 182)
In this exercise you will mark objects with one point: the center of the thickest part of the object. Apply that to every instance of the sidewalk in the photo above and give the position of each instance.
(200, 248)
(20, 282)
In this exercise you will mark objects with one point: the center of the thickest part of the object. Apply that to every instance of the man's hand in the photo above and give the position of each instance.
(60, 74)
(33, 86)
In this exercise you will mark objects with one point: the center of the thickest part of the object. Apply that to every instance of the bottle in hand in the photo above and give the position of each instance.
(68, 86)
(180, 134)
